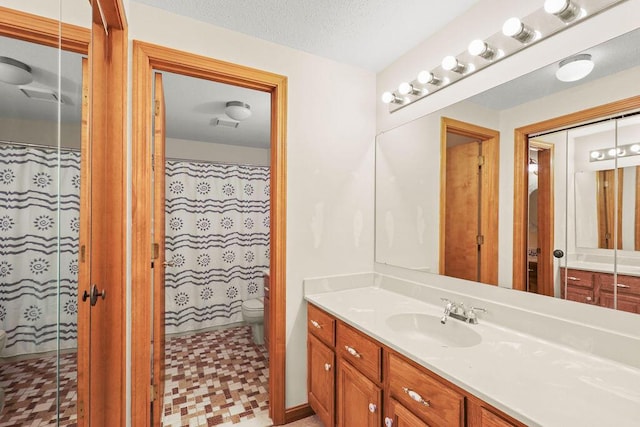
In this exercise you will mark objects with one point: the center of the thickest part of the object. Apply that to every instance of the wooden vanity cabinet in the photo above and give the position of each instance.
(321, 364)
(373, 385)
(597, 288)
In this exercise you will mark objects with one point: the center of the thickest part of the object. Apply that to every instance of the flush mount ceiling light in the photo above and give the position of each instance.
(14, 72)
(575, 68)
(238, 110)
(566, 10)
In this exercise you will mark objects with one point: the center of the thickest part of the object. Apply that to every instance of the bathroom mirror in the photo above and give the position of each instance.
(41, 117)
(408, 162)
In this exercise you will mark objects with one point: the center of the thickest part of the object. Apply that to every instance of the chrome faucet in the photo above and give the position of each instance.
(457, 311)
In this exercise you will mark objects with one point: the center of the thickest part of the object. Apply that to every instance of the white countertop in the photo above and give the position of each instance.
(535, 381)
(602, 267)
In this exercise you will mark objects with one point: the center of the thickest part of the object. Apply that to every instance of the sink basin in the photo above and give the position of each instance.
(427, 328)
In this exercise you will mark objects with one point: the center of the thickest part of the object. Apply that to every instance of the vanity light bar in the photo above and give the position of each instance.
(615, 152)
(516, 34)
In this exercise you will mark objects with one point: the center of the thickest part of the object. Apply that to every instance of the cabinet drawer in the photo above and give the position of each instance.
(431, 400)
(578, 277)
(360, 350)
(625, 284)
(579, 294)
(321, 324)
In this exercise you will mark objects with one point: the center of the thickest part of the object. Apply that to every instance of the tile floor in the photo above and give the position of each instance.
(209, 385)
(30, 391)
(225, 385)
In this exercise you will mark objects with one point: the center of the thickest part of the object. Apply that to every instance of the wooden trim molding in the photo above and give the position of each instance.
(146, 58)
(521, 181)
(44, 31)
(636, 217)
(298, 412)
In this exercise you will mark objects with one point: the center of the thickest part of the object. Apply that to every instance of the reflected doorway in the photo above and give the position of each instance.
(469, 202)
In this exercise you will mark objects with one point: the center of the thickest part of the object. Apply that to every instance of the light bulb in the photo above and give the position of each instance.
(635, 148)
(513, 27)
(450, 63)
(425, 77)
(407, 88)
(596, 155)
(388, 97)
(566, 10)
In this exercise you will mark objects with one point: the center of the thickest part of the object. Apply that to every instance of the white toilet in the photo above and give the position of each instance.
(253, 314)
(3, 340)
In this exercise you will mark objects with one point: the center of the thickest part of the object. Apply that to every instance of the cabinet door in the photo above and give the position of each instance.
(358, 399)
(399, 416)
(321, 379)
(480, 414)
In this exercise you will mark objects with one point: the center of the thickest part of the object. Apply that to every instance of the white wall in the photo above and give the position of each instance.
(213, 152)
(329, 158)
(39, 132)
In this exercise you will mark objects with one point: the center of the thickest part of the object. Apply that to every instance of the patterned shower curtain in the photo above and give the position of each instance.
(38, 289)
(217, 235)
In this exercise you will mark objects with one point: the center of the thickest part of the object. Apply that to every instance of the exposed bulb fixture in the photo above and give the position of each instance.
(407, 88)
(482, 49)
(596, 155)
(14, 72)
(627, 150)
(515, 28)
(575, 68)
(566, 10)
(450, 63)
(533, 166)
(635, 148)
(390, 97)
(427, 77)
(238, 110)
(616, 152)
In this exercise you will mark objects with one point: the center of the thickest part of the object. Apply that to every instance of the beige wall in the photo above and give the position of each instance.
(39, 132)
(329, 158)
(212, 152)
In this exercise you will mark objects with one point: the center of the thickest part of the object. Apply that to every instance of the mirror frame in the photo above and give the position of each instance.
(521, 178)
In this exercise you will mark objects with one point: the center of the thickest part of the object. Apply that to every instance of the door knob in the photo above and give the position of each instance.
(558, 253)
(94, 295)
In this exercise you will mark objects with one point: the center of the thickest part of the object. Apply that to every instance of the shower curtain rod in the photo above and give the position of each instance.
(213, 162)
(29, 144)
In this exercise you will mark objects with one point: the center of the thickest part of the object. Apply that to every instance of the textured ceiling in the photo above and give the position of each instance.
(370, 34)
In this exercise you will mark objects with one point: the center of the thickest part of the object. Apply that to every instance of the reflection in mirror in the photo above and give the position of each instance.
(407, 158)
(40, 137)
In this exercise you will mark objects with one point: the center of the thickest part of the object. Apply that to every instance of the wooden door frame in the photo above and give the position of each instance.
(521, 179)
(148, 58)
(546, 244)
(489, 223)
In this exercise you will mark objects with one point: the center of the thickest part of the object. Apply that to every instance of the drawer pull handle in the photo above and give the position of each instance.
(573, 278)
(620, 285)
(316, 324)
(372, 407)
(352, 351)
(415, 396)
(327, 367)
(388, 422)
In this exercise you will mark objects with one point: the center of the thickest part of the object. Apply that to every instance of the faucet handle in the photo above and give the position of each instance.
(447, 300)
(480, 309)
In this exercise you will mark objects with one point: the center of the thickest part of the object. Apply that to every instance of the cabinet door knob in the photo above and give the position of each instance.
(372, 407)
(352, 351)
(589, 299)
(415, 396)
(315, 324)
(388, 422)
(327, 367)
